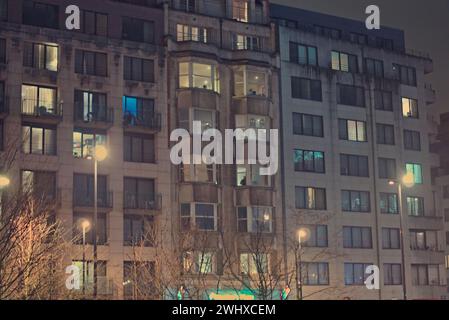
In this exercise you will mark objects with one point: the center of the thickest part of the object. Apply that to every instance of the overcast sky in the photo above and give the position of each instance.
(425, 22)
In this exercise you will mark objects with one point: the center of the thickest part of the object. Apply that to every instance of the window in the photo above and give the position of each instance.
(355, 201)
(416, 170)
(387, 168)
(138, 148)
(358, 38)
(40, 184)
(355, 273)
(425, 274)
(198, 75)
(249, 82)
(139, 280)
(79, 218)
(3, 106)
(307, 125)
(198, 173)
(186, 116)
(315, 273)
(40, 56)
(249, 175)
(255, 219)
(137, 30)
(39, 140)
(423, 240)
(3, 10)
(240, 10)
(91, 63)
(412, 140)
(344, 62)
(2, 50)
(90, 106)
(328, 32)
(136, 69)
(374, 67)
(415, 206)
(384, 43)
(38, 100)
(87, 279)
(187, 5)
(139, 112)
(357, 237)
(190, 33)
(140, 194)
(392, 274)
(83, 191)
(352, 130)
(406, 75)
(200, 216)
(317, 237)
(385, 134)
(84, 142)
(410, 108)
(34, 11)
(310, 198)
(245, 121)
(244, 42)
(253, 264)
(198, 262)
(352, 165)
(306, 89)
(389, 203)
(391, 238)
(303, 54)
(1, 142)
(383, 100)
(94, 23)
(351, 95)
(309, 161)
(138, 230)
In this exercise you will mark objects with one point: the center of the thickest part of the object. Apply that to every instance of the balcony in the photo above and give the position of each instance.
(99, 118)
(145, 124)
(197, 98)
(141, 204)
(81, 203)
(430, 94)
(4, 108)
(41, 111)
(199, 192)
(257, 105)
(254, 196)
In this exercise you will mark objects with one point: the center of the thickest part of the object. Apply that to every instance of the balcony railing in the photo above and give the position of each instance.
(105, 287)
(104, 200)
(152, 122)
(142, 201)
(40, 108)
(98, 114)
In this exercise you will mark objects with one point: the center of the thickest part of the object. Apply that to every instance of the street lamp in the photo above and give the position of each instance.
(85, 226)
(408, 180)
(100, 154)
(303, 235)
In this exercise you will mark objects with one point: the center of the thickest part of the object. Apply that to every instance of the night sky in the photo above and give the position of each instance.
(425, 23)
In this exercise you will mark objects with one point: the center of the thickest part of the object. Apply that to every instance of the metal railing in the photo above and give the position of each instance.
(98, 114)
(142, 201)
(152, 122)
(104, 199)
(41, 108)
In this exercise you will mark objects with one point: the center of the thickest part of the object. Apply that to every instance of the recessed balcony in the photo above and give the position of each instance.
(142, 204)
(99, 117)
(150, 123)
(83, 203)
(41, 111)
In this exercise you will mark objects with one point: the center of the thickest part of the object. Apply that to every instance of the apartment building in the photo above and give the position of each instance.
(355, 118)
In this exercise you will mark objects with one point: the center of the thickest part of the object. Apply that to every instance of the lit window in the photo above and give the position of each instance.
(243, 42)
(190, 33)
(410, 108)
(198, 262)
(253, 264)
(240, 10)
(416, 171)
(38, 100)
(249, 82)
(200, 216)
(249, 175)
(40, 56)
(255, 219)
(198, 75)
(352, 130)
(85, 142)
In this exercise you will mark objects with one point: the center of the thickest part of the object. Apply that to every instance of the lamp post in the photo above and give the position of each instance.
(100, 153)
(303, 235)
(85, 225)
(408, 181)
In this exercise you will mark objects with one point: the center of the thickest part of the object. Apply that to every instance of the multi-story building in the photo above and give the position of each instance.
(355, 122)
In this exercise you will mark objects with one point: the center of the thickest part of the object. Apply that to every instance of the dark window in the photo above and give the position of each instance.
(344, 62)
(90, 106)
(139, 193)
(1, 136)
(412, 140)
(374, 67)
(353, 165)
(40, 184)
(3, 106)
(328, 32)
(306, 89)
(3, 10)
(387, 168)
(83, 191)
(79, 218)
(355, 273)
(94, 23)
(317, 237)
(303, 54)
(39, 140)
(384, 43)
(310, 198)
(137, 69)
(40, 56)
(352, 130)
(392, 274)
(307, 125)
(389, 203)
(91, 63)
(357, 237)
(406, 75)
(358, 38)
(351, 95)
(138, 148)
(385, 134)
(2, 50)
(138, 230)
(309, 161)
(355, 201)
(138, 30)
(383, 100)
(40, 14)
(391, 238)
(315, 273)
